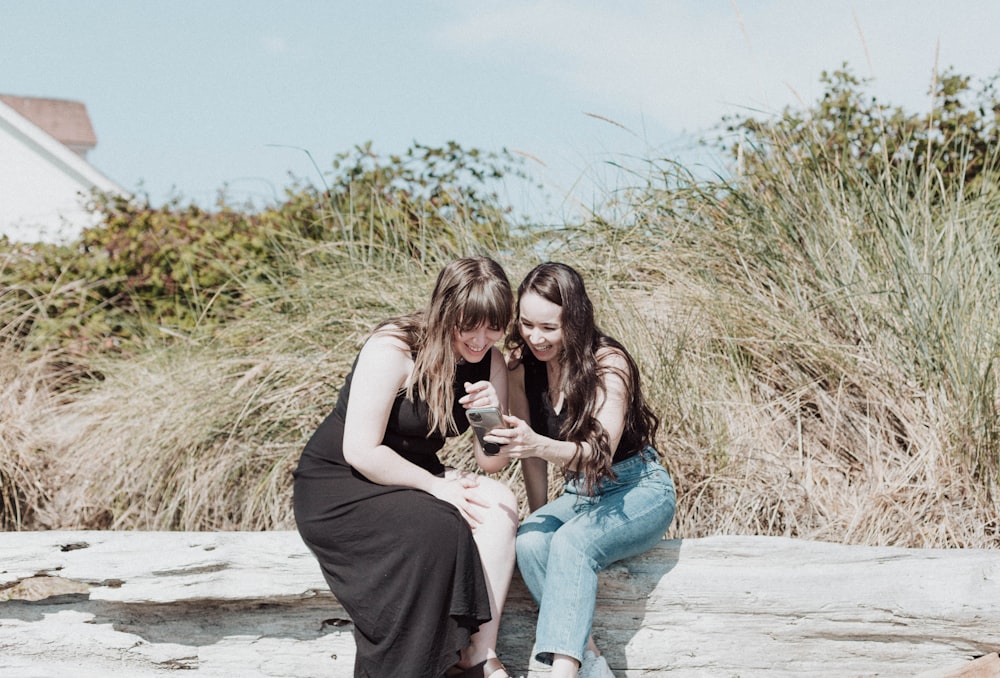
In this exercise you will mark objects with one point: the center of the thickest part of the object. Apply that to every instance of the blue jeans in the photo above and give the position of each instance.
(563, 545)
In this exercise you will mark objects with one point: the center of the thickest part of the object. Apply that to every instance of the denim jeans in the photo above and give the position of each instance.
(563, 545)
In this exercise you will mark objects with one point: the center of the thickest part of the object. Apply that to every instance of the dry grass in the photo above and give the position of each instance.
(204, 434)
(25, 397)
(821, 359)
(822, 355)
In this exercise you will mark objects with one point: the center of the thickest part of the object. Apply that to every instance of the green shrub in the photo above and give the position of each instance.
(954, 144)
(143, 272)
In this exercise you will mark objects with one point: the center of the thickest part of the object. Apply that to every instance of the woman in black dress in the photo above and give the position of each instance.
(419, 555)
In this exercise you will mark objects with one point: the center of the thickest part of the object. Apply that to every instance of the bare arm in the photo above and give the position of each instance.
(535, 470)
(524, 442)
(382, 370)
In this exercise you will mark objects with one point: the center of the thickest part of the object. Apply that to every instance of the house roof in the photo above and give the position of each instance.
(58, 153)
(64, 120)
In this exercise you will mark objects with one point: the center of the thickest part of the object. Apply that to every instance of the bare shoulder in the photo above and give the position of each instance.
(611, 357)
(387, 337)
(386, 350)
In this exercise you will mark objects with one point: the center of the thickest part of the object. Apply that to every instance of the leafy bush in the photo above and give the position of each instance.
(425, 199)
(176, 269)
(955, 143)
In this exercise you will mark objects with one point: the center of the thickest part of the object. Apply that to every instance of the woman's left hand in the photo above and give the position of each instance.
(480, 394)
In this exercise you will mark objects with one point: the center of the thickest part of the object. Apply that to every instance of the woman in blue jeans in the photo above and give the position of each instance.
(576, 401)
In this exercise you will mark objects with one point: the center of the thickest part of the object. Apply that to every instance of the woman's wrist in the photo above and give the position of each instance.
(431, 484)
(555, 452)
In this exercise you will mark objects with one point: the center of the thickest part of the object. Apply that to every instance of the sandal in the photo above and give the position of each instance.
(484, 669)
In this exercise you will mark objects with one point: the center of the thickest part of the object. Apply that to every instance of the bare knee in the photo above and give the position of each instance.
(500, 499)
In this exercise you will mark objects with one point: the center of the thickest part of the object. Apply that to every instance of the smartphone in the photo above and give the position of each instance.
(483, 420)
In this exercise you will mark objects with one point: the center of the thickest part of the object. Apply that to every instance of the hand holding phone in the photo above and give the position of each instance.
(483, 420)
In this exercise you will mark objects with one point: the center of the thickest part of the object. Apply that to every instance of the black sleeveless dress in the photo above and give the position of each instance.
(402, 562)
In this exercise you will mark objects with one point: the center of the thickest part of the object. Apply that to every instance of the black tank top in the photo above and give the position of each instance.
(546, 421)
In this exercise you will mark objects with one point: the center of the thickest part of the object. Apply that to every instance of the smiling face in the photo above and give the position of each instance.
(472, 345)
(540, 325)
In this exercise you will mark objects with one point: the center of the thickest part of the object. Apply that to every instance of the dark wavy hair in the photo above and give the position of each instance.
(581, 373)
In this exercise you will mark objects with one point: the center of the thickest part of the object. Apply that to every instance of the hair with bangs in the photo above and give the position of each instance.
(469, 292)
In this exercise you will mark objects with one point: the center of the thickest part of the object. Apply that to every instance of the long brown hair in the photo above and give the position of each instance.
(581, 373)
(468, 292)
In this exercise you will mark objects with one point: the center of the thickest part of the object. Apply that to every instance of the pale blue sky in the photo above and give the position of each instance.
(190, 96)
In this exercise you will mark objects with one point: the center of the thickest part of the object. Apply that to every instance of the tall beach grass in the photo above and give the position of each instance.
(820, 347)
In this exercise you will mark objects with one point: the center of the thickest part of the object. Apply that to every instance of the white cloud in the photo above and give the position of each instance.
(685, 65)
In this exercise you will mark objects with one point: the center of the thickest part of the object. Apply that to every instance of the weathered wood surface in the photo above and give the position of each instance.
(254, 604)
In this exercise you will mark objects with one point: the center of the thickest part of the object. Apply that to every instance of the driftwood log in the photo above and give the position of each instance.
(246, 604)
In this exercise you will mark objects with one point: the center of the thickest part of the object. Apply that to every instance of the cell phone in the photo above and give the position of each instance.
(483, 420)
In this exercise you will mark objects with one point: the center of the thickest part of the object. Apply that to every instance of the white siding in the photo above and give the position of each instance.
(43, 184)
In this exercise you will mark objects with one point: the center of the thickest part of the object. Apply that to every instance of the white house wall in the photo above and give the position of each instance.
(43, 185)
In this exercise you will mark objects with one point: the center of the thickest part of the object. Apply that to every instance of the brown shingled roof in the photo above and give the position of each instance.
(66, 121)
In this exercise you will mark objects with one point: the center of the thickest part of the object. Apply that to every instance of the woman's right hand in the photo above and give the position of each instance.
(458, 488)
(518, 441)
